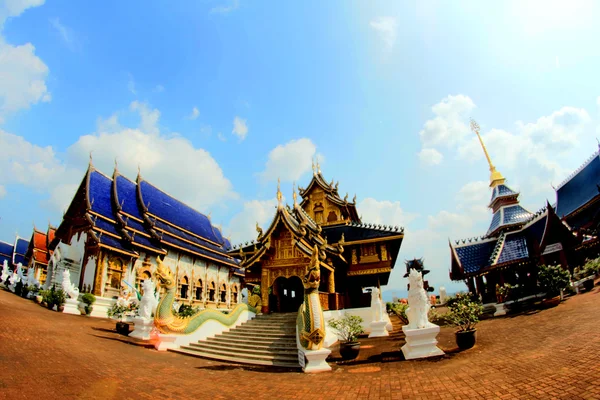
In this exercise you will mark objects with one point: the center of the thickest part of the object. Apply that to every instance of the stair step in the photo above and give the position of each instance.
(246, 356)
(235, 332)
(272, 351)
(291, 342)
(260, 329)
(283, 364)
(236, 342)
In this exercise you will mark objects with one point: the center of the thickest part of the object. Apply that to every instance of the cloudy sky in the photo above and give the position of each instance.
(215, 100)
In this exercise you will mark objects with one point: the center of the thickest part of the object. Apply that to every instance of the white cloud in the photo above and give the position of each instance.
(384, 212)
(243, 225)
(195, 113)
(429, 156)
(149, 123)
(14, 8)
(386, 28)
(159, 89)
(108, 125)
(473, 192)
(289, 161)
(449, 124)
(240, 128)
(67, 34)
(27, 83)
(2, 191)
(226, 9)
(131, 85)
(221, 137)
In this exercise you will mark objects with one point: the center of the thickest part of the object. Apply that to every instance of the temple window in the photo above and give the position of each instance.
(234, 293)
(184, 288)
(223, 293)
(318, 211)
(199, 289)
(211, 291)
(332, 217)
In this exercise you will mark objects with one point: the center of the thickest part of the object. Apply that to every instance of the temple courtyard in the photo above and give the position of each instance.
(545, 354)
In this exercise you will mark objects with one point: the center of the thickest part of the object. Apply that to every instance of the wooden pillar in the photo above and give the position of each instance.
(331, 282)
(471, 285)
(99, 274)
(264, 291)
(480, 286)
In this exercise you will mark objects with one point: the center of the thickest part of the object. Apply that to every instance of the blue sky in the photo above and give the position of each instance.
(216, 99)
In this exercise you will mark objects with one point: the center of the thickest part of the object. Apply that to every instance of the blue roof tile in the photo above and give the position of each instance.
(3, 258)
(144, 241)
(186, 236)
(474, 257)
(99, 194)
(19, 258)
(185, 245)
(580, 189)
(536, 230)
(6, 248)
(170, 209)
(21, 246)
(515, 214)
(515, 248)
(501, 191)
(115, 243)
(127, 197)
(495, 221)
(106, 226)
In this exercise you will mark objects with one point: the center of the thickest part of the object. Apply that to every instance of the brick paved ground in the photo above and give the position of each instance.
(553, 353)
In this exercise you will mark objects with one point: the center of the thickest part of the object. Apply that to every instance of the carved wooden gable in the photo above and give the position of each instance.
(319, 208)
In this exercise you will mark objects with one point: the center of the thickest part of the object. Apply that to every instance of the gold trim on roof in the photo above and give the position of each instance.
(117, 250)
(198, 254)
(193, 243)
(380, 239)
(182, 229)
(102, 216)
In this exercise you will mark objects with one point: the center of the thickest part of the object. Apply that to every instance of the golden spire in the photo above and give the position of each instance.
(496, 177)
(294, 195)
(313, 166)
(279, 195)
(318, 166)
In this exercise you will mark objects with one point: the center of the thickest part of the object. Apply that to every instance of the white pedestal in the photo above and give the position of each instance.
(101, 306)
(165, 342)
(142, 327)
(421, 343)
(315, 360)
(72, 307)
(379, 329)
(500, 309)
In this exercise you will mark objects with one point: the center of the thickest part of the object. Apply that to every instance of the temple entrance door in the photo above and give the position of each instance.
(287, 294)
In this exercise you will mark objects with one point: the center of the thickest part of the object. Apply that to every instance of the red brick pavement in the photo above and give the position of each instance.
(550, 354)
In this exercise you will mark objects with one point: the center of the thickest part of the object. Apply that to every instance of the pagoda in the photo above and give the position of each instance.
(516, 242)
(353, 255)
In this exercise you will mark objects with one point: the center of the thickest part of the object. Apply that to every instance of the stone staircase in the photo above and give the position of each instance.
(264, 340)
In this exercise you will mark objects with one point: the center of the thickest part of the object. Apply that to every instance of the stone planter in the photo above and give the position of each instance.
(466, 339)
(349, 350)
(551, 302)
(60, 308)
(588, 284)
(122, 328)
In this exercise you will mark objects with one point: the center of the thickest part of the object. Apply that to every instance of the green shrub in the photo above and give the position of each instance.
(464, 311)
(399, 309)
(553, 279)
(186, 310)
(88, 299)
(348, 327)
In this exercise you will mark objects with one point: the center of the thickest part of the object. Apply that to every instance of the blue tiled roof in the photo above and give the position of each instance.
(99, 194)
(115, 243)
(536, 230)
(580, 189)
(180, 243)
(135, 225)
(144, 241)
(3, 258)
(515, 248)
(170, 209)
(21, 246)
(227, 244)
(6, 248)
(475, 256)
(186, 236)
(495, 221)
(514, 214)
(127, 197)
(20, 258)
(106, 226)
(355, 232)
(501, 191)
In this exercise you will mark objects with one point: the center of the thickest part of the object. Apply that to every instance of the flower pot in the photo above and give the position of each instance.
(60, 308)
(122, 328)
(349, 350)
(588, 285)
(466, 339)
(88, 310)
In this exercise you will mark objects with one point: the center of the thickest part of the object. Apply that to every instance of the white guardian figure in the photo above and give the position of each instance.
(5, 272)
(149, 302)
(68, 287)
(418, 304)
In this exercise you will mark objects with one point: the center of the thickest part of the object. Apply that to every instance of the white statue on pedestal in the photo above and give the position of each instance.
(420, 334)
(418, 305)
(149, 301)
(376, 305)
(15, 278)
(5, 272)
(31, 281)
(443, 295)
(68, 287)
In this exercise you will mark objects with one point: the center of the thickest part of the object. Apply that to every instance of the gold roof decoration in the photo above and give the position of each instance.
(279, 195)
(496, 177)
(294, 195)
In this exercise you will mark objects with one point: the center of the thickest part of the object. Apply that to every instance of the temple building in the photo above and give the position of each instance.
(115, 228)
(38, 255)
(516, 242)
(14, 253)
(353, 255)
(578, 205)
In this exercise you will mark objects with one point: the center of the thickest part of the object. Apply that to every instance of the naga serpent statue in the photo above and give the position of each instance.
(310, 321)
(166, 322)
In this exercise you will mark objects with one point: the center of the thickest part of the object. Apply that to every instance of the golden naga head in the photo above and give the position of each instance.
(312, 279)
(163, 274)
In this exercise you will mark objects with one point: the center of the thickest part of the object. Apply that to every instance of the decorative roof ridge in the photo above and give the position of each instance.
(578, 170)
(538, 215)
(497, 249)
(473, 240)
(377, 227)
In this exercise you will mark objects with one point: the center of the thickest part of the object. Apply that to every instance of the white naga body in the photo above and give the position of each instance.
(149, 301)
(418, 304)
(68, 287)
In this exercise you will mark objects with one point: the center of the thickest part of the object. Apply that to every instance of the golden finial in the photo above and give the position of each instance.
(496, 177)
(294, 195)
(139, 170)
(318, 166)
(279, 195)
(91, 157)
(116, 164)
(313, 166)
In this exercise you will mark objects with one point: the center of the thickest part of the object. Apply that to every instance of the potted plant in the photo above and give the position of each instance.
(88, 299)
(553, 279)
(348, 328)
(120, 311)
(464, 311)
(59, 300)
